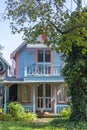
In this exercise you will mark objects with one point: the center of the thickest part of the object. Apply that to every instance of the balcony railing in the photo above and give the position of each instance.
(42, 70)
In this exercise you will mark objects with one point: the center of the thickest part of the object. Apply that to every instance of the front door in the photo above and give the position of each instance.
(44, 97)
(13, 93)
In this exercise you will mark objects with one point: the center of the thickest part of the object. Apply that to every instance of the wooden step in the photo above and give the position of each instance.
(47, 114)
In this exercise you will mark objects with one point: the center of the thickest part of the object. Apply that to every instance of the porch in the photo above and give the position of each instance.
(40, 97)
(59, 108)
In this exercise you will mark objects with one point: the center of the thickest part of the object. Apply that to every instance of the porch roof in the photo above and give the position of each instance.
(13, 80)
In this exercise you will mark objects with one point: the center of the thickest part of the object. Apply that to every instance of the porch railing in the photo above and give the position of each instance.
(28, 108)
(44, 102)
(59, 108)
(42, 70)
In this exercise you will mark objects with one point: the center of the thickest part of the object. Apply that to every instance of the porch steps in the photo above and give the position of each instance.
(47, 115)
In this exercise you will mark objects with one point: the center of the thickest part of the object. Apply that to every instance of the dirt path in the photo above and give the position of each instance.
(42, 121)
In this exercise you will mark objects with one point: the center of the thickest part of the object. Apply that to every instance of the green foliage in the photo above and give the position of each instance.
(76, 35)
(29, 116)
(36, 17)
(65, 124)
(55, 124)
(6, 117)
(1, 110)
(16, 111)
(66, 112)
(75, 75)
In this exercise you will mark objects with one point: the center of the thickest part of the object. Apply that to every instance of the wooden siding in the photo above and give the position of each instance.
(17, 66)
(57, 58)
(26, 57)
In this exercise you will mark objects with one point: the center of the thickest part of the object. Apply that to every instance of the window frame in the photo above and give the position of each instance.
(22, 100)
(58, 94)
(44, 56)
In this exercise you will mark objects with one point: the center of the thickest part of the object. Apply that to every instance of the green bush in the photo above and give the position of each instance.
(1, 110)
(6, 117)
(66, 112)
(29, 116)
(17, 112)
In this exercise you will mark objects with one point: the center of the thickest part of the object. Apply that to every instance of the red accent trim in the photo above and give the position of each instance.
(43, 38)
(13, 54)
(17, 65)
(52, 61)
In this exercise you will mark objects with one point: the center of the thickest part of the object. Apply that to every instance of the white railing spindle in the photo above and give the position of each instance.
(42, 70)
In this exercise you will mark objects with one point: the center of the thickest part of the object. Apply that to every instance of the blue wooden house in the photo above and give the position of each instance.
(36, 80)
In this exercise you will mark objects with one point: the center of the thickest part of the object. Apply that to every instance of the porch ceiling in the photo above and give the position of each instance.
(33, 79)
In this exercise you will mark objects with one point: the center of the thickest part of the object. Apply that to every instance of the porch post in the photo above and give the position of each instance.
(34, 98)
(5, 98)
(55, 100)
(25, 71)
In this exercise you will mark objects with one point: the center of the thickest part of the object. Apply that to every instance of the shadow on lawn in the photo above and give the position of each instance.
(67, 125)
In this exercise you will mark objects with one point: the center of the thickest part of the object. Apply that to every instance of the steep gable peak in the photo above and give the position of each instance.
(17, 49)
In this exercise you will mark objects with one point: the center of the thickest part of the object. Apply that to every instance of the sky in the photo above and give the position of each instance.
(10, 41)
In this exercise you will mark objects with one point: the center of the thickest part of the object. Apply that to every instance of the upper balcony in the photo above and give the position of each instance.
(43, 72)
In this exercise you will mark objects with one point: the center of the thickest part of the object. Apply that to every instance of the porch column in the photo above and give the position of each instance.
(25, 71)
(55, 100)
(34, 98)
(5, 98)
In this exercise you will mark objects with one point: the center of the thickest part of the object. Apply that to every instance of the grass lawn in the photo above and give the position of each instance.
(56, 124)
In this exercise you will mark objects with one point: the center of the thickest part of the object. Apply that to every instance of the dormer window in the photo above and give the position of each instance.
(44, 61)
(44, 56)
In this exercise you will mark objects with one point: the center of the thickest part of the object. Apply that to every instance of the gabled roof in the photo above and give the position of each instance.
(2, 58)
(16, 50)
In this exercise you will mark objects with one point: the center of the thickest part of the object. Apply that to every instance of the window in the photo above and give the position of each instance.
(44, 56)
(47, 56)
(25, 93)
(61, 93)
(48, 90)
(40, 55)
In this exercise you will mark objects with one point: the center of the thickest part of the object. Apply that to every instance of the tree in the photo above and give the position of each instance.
(76, 76)
(74, 46)
(35, 17)
(65, 31)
